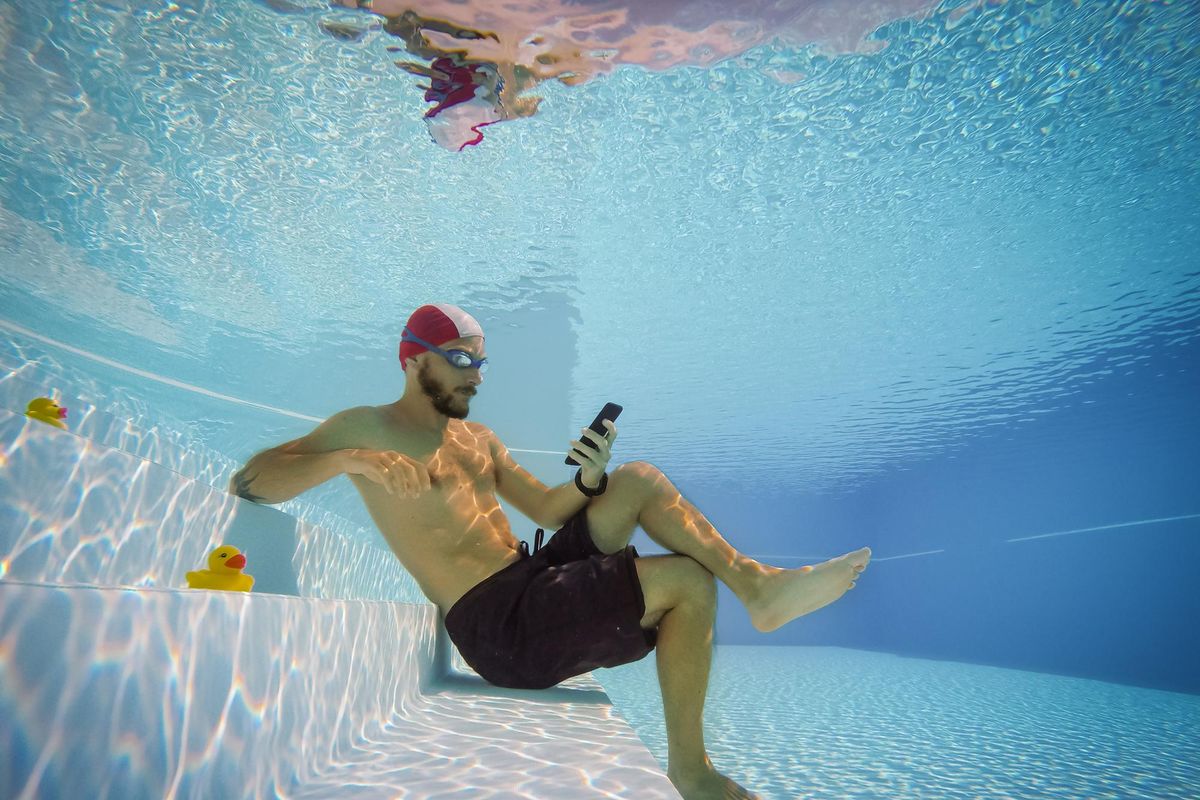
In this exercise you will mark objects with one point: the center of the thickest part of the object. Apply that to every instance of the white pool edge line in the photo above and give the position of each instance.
(874, 559)
(908, 555)
(1106, 527)
(188, 387)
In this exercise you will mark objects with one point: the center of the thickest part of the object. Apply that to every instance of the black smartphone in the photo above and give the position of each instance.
(610, 411)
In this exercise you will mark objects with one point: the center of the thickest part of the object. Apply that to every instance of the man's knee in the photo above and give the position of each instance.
(699, 604)
(675, 580)
(701, 589)
(641, 474)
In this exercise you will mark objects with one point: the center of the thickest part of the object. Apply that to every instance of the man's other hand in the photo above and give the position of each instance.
(396, 472)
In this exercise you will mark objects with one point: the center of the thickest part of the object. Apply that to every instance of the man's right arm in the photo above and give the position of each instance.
(294, 467)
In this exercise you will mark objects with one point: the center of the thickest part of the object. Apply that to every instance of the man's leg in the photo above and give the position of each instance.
(639, 494)
(681, 599)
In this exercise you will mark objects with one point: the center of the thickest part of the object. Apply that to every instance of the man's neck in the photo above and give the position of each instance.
(419, 415)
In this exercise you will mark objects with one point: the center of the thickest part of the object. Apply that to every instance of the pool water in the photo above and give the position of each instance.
(909, 275)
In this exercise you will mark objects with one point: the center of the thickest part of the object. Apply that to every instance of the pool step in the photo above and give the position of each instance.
(149, 693)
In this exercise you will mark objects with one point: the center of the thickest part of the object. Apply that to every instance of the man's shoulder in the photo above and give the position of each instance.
(480, 431)
(345, 429)
(358, 417)
(353, 427)
(481, 437)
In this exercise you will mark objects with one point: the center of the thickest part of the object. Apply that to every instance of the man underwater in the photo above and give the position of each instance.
(584, 600)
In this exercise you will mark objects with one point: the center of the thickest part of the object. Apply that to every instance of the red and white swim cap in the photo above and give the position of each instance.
(437, 324)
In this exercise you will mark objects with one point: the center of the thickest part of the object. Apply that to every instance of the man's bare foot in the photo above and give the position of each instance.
(705, 783)
(789, 593)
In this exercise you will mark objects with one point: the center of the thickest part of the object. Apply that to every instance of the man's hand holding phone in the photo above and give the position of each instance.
(593, 457)
(592, 451)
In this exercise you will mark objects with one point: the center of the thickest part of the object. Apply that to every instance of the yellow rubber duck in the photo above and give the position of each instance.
(224, 572)
(43, 409)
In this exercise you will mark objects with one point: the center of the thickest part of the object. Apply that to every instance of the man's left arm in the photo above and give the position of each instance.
(551, 508)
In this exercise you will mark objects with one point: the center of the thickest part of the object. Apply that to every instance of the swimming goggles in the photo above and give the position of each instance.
(457, 358)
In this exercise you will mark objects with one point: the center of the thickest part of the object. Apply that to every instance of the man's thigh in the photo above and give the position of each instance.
(670, 580)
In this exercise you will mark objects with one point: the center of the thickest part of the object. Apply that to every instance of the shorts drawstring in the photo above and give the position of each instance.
(537, 543)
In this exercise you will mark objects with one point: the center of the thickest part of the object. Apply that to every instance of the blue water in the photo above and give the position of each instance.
(819, 722)
(927, 286)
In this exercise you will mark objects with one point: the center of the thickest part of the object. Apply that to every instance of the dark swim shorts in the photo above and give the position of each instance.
(563, 611)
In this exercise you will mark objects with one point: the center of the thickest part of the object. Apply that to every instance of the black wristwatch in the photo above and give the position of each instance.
(590, 492)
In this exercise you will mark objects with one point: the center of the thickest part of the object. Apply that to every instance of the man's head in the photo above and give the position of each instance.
(444, 345)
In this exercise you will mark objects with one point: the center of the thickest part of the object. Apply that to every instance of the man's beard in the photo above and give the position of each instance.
(454, 404)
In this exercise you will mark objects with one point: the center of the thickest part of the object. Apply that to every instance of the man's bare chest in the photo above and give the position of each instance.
(459, 458)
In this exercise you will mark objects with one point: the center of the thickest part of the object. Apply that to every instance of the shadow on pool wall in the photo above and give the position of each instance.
(1111, 604)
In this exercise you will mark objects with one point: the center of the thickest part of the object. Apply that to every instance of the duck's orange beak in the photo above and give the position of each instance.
(62, 413)
(237, 562)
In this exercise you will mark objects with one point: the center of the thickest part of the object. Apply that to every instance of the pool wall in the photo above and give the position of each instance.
(79, 512)
(333, 677)
(1064, 545)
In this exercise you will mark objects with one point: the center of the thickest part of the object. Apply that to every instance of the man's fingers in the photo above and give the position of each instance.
(599, 440)
(380, 475)
(383, 474)
(596, 443)
(416, 474)
(412, 478)
(406, 477)
(396, 473)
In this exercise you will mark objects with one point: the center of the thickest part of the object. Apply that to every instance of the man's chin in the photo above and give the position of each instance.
(458, 410)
